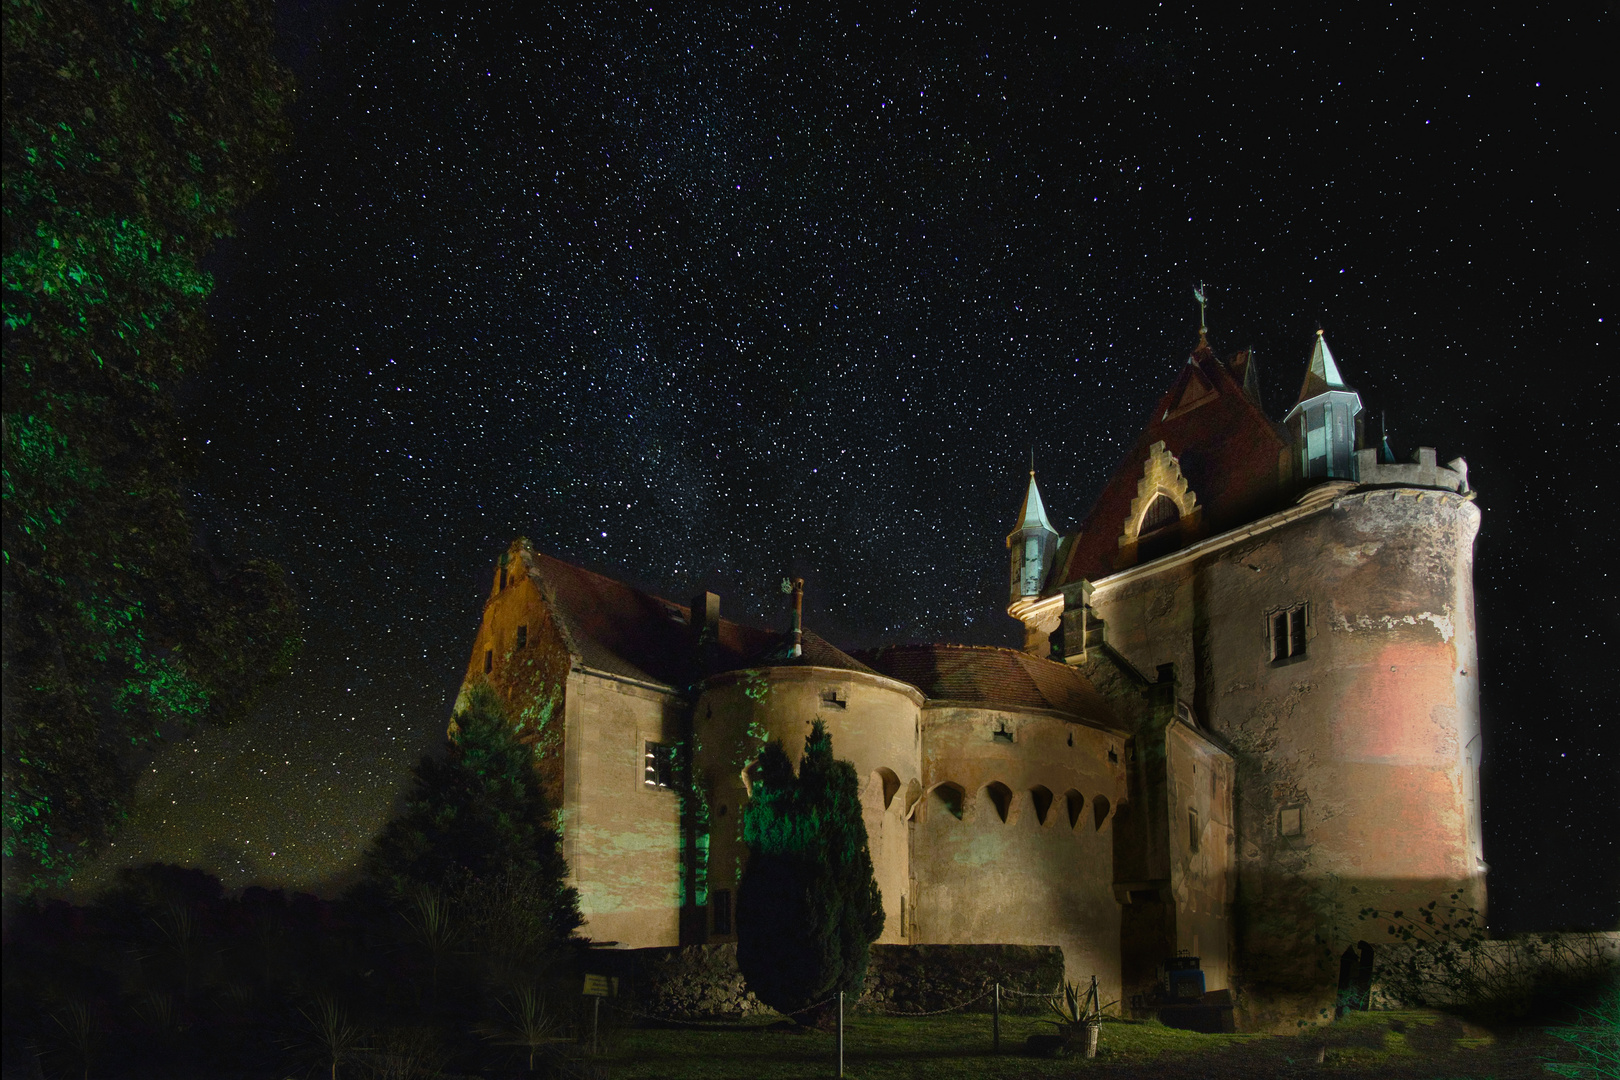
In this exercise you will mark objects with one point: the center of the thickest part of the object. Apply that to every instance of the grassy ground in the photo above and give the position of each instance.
(1406, 1044)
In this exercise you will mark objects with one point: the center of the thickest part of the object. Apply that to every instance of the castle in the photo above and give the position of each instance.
(1246, 712)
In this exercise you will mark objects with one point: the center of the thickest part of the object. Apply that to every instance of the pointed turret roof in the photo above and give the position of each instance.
(1322, 374)
(1033, 513)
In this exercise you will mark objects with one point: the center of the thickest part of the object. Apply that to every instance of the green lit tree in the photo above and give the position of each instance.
(476, 826)
(808, 906)
(131, 133)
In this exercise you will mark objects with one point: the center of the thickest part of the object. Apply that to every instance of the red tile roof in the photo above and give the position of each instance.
(991, 676)
(1227, 449)
(621, 630)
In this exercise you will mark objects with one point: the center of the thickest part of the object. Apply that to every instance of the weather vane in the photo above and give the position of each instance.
(1198, 293)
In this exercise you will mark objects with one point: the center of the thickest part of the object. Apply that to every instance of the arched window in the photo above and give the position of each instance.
(1042, 798)
(1076, 803)
(1099, 809)
(1000, 796)
(1161, 511)
(950, 797)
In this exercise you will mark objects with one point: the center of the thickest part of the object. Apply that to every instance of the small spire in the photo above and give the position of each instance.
(1032, 515)
(1322, 373)
(1203, 328)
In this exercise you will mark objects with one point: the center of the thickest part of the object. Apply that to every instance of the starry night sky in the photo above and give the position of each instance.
(699, 299)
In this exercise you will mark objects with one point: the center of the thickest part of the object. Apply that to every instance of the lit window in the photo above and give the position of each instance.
(658, 770)
(1288, 634)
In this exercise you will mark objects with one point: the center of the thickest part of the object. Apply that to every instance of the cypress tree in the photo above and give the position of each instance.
(808, 906)
(477, 814)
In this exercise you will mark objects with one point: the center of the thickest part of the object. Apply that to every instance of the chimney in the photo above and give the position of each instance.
(796, 586)
(705, 623)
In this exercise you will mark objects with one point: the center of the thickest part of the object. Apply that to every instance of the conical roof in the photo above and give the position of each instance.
(1322, 374)
(1033, 513)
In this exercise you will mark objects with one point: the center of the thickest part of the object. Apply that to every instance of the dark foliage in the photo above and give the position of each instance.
(132, 132)
(474, 822)
(808, 906)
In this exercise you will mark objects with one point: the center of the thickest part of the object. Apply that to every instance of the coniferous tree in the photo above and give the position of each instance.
(808, 906)
(475, 821)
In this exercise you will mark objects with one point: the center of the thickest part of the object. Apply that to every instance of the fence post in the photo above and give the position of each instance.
(840, 1033)
(995, 1023)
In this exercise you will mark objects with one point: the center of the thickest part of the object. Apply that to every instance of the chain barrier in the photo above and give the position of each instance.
(1027, 993)
(933, 1012)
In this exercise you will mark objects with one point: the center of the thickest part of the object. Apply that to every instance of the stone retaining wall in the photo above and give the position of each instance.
(703, 982)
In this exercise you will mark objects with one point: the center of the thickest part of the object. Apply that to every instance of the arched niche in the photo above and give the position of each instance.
(1075, 804)
(1041, 797)
(949, 796)
(1000, 797)
(1099, 810)
(882, 786)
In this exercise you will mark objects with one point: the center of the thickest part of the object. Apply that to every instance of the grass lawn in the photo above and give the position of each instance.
(957, 1045)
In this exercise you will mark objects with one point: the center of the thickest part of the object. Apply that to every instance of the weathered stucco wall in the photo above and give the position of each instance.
(622, 838)
(530, 677)
(1021, 880)
(1202, 850)
(873, 724)
(1356, 760)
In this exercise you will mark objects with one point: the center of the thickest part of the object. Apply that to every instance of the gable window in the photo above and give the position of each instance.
(658, 770)
(523, 637)
(1288, 634)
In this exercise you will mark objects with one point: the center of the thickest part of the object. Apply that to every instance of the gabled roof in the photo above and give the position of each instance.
(1321, 374)
(993, 677)
(621, 630)
(1227, 450)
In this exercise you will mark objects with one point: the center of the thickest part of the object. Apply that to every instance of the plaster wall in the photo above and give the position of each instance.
(1371, 737)
(621, 837)
(873, 722)
(1202, 850)
(1020, 881)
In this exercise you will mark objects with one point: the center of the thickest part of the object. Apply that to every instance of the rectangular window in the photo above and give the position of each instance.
(1192, 831)
(903, 916)
(658, 770)
(503, 577)
(720, 904)
(1291, 821)
(1288, 634)
(489, 661)
(523, 637)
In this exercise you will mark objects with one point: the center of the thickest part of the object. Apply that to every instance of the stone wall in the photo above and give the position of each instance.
(1493, 973)
(695, 982)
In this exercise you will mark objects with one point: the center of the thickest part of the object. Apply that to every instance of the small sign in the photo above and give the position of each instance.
(599, 986)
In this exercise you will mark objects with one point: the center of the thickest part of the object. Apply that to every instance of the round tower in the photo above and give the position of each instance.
(873, 722)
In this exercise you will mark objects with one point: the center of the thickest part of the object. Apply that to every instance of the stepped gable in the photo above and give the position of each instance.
(1227, 450)
(985, 675)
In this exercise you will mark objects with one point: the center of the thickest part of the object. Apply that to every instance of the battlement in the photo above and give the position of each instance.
(1421, 471)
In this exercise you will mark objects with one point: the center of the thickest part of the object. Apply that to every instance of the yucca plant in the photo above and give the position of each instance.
(528, 1024)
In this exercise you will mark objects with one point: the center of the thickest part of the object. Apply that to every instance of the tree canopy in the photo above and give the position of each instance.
(808, 906)
(132, 132)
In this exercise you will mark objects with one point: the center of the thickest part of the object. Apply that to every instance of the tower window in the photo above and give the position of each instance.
(658, 770)
(1291, 821)
(503, 577)
(489, 661)
(720, 904)
(1288, 634)
(1192, 831)
(523, 637)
